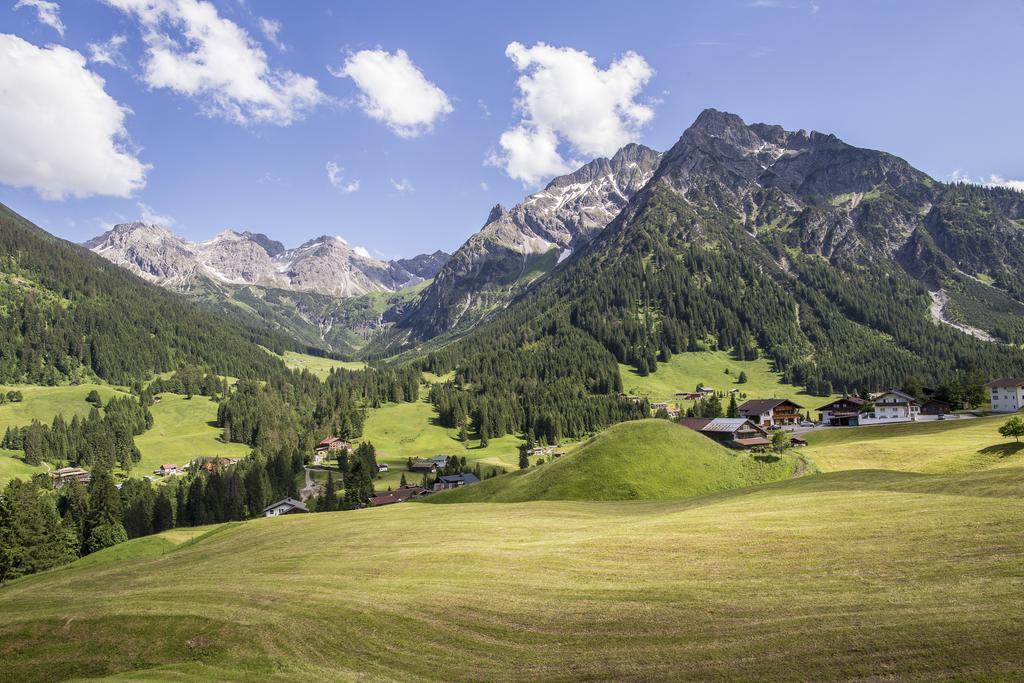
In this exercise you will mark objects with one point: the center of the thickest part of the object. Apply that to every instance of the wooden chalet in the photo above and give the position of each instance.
(934, 406)
(771, 412)
(426, 465)
(65, 475)
(735, 432)
(454, 481)
(399, 495)
(843, 412)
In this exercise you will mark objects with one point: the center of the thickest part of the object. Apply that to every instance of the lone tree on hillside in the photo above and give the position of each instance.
(742, 379)
(94, 398)
(734, 410)
(1014, 427)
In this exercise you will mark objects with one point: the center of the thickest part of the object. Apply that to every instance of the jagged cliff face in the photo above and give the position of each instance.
(517, 246)
(325, 265)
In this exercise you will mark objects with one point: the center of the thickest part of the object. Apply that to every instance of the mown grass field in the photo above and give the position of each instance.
(849, 576)
(43, 404)
(686, 370)
(182, 430)
(402, 430)
(962, 445)
(321, 367)
(643, 460)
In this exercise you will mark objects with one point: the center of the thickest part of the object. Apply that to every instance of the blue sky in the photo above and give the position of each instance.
(210, 147)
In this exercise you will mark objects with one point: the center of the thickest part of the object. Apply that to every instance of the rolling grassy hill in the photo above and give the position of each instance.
(962, 445)
(856, 575)
(686, 370)
(183, 430)
(649, 459)
(319, 366)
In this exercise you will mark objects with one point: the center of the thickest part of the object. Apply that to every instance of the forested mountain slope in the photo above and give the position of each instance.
(66, 312)
(755, 239)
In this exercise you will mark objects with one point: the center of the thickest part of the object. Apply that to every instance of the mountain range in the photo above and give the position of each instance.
(812, 214)
(324, 293)
(847, 267)
(325, 265)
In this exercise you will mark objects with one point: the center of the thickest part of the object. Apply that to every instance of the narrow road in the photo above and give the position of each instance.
(311, 489)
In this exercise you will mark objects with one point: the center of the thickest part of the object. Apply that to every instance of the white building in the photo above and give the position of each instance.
(1007, 395)
(287, 506)
(895, 406)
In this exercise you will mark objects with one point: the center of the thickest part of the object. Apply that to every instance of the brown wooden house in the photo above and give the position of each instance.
(843, 412)
(771, 412)
(735, 432)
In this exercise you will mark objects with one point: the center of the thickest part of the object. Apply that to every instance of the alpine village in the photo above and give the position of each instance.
(744, 404)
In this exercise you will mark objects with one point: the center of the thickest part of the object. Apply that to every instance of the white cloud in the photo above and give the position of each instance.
(47, 12)
(994, 180)
(108, 52)
(564, 95)
(270, 29)
(402, 185)
(60, 132)
(530, 155)
(999, 181)
(151, 217)
(362, 251)
(336, 177)
(194, 51)
(484, 186)
(395, 91)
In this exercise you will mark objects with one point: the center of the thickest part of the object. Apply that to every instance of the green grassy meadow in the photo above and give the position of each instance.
(849, 576)
(12, 466)
(962, 445)
(182, 430)
(43, 404)
(321, 367)
(402, 430)
(686, 370)
(644, 460)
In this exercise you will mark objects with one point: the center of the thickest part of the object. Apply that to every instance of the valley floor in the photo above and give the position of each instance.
(853, 575)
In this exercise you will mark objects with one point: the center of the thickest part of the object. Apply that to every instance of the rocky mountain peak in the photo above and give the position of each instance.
(271, 246)
(497, 212)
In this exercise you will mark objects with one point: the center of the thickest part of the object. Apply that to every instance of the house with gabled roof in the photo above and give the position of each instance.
(735, 432)
(453, 481)
(1007, 394)
(399, 495)
(771, 412)
(843, 412)
(286, 506)
(896, 406)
